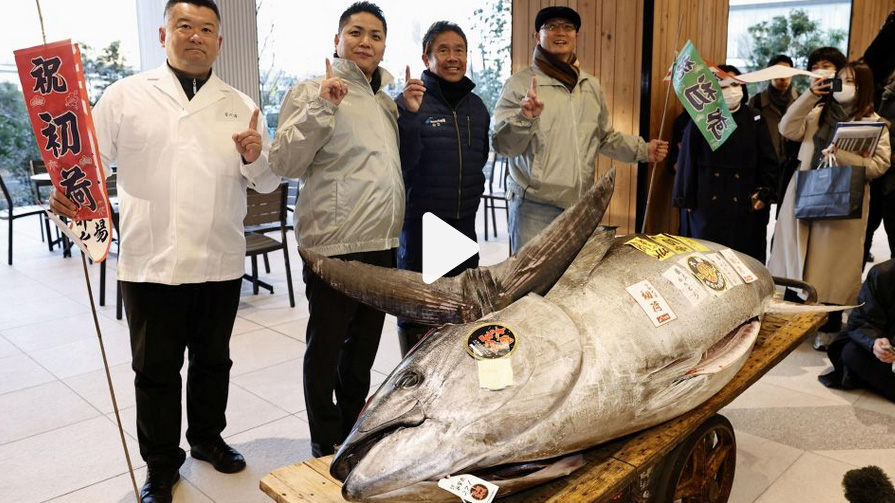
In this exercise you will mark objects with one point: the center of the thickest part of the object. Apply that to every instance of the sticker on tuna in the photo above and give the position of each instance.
(672, 243)
(733, 279)
(652, 249)
(706, 272)
(469, 488)
(738, 265)
(651, 301)
(687, 284)
(490, 342)
(692, 243)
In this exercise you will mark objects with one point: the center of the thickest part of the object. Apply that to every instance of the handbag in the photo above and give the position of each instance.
(830, 192)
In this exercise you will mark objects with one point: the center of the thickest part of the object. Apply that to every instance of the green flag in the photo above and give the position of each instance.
(700, 93)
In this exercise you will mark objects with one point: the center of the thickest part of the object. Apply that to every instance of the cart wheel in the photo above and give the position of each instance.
(701, 469)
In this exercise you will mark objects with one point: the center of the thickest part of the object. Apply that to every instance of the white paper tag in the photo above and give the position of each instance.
(651, 301)
(469, 488)
(741, 268)
(689, 286)
(495, 373)
(732, 277)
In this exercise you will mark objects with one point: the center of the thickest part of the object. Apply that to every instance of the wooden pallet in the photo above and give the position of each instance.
(612, 466)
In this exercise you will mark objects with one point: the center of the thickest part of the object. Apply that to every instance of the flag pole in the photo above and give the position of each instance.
(677, 41)
(102, 348)
(41, 17)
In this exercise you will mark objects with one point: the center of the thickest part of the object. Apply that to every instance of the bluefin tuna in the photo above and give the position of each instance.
(630, 334)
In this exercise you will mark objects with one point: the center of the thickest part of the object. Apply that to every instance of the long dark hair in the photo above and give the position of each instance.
(863, 88)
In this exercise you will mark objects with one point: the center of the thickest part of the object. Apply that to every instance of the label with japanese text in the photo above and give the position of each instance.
(687, 284)
(53, 83)
(672, 243)
(738, 265)
(700, 93)
(651, 301)
(692, 243)
(652, 249)
(703, 269)
(733, 279)
(469, 488)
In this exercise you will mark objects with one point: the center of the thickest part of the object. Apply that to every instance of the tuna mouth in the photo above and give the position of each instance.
(359, 443)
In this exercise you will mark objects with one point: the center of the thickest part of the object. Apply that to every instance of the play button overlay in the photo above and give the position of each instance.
(444, 248)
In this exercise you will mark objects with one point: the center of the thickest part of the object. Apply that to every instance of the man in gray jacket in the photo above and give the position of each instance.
(552, 121)
(339, 135)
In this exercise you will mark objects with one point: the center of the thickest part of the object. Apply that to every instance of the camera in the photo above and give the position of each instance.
(835, 84)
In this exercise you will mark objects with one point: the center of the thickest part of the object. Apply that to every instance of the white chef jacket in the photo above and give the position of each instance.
(181, 182)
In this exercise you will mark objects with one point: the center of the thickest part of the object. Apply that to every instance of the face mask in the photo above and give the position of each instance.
(733, 95)
(846, 95)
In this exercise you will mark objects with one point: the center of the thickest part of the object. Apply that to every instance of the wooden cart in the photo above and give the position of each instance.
(691, 457)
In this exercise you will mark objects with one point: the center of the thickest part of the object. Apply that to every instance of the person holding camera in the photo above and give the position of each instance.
(862, 354)
(827, 253)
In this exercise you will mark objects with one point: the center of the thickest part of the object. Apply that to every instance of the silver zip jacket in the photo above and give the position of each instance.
(552, 157)
(352, 191)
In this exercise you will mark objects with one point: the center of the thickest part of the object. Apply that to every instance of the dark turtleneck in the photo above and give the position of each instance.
(190, 85)
(452, 92)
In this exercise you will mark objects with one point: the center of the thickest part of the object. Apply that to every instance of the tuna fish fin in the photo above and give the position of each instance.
(782, 307)
(475, 292)
(588, 258)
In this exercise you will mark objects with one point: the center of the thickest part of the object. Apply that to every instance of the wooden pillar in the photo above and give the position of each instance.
(866, 18)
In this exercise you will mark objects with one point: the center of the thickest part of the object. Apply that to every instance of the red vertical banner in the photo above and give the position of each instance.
(52, 77)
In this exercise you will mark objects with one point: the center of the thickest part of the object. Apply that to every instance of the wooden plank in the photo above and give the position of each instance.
(610, 466)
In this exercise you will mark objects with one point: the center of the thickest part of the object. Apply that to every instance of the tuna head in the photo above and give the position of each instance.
(431, 418)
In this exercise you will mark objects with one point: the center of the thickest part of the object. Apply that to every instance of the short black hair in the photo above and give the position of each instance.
(437, 28)
(781, 58)
(200, 3)
(868, 485)
(831, 54)
(368, 7)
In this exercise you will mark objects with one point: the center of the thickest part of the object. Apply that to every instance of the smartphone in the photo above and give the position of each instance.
(835, 84)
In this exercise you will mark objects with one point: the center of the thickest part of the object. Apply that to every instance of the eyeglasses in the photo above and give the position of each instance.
(555, 27)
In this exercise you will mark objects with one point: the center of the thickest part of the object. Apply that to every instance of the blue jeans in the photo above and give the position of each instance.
(527, 219)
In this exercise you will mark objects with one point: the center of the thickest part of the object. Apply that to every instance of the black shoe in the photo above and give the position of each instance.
(831, 380)
(159, 485)
(224, 458)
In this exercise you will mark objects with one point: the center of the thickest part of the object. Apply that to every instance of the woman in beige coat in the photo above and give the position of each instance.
(827, 253)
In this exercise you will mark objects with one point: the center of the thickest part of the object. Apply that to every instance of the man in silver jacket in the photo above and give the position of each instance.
(552, 121)
(338, 134)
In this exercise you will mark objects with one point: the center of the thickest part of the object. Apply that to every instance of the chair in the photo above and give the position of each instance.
(262, 210)
(42, 189)
(12, 213)
(495, 196)
(112, 191)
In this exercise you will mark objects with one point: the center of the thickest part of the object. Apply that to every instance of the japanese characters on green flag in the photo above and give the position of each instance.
(700, 93)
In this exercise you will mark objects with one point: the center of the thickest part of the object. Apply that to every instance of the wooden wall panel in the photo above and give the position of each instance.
(867, 17)
(609, 47)
(704, 22)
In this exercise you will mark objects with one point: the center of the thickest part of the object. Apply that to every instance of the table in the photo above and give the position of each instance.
(641, 465)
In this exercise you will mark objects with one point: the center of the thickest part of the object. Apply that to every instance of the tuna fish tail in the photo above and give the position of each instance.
(476, 292)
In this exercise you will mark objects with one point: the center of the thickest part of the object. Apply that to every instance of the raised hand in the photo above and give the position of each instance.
(248, 142)
(62, 205)
(332, 89)
(414, 89)
(531, 105)
(657, 150)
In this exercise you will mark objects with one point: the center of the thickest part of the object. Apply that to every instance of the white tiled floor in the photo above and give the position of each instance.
(59, 441)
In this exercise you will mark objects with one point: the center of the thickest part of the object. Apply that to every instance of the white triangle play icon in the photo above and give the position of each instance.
(443, 248)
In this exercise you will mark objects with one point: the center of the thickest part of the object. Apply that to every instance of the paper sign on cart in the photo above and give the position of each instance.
(52, 77)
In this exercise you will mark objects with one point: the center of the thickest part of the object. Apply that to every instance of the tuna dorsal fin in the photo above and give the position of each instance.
(588, 258)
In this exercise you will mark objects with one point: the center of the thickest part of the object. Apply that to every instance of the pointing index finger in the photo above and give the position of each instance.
(407, 74)
(534, 86)
(253, 122)
(329, 69)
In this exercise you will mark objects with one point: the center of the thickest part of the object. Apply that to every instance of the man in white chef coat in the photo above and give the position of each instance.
(187, 145)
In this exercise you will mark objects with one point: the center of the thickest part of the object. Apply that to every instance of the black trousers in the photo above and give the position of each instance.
(165, 320)
(877, 375)
(342, 339)
(882, 210)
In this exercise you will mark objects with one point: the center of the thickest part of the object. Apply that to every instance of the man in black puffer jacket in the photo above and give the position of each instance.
(444, 131)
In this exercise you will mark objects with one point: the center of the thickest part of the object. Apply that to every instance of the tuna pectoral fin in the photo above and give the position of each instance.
(781, 307)
(475, 292)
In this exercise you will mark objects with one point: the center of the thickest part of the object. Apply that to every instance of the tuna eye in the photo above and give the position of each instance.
(409, 380)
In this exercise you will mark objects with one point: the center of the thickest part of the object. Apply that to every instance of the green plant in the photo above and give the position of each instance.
(493, 22)
(100, 70)
(17, 145)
